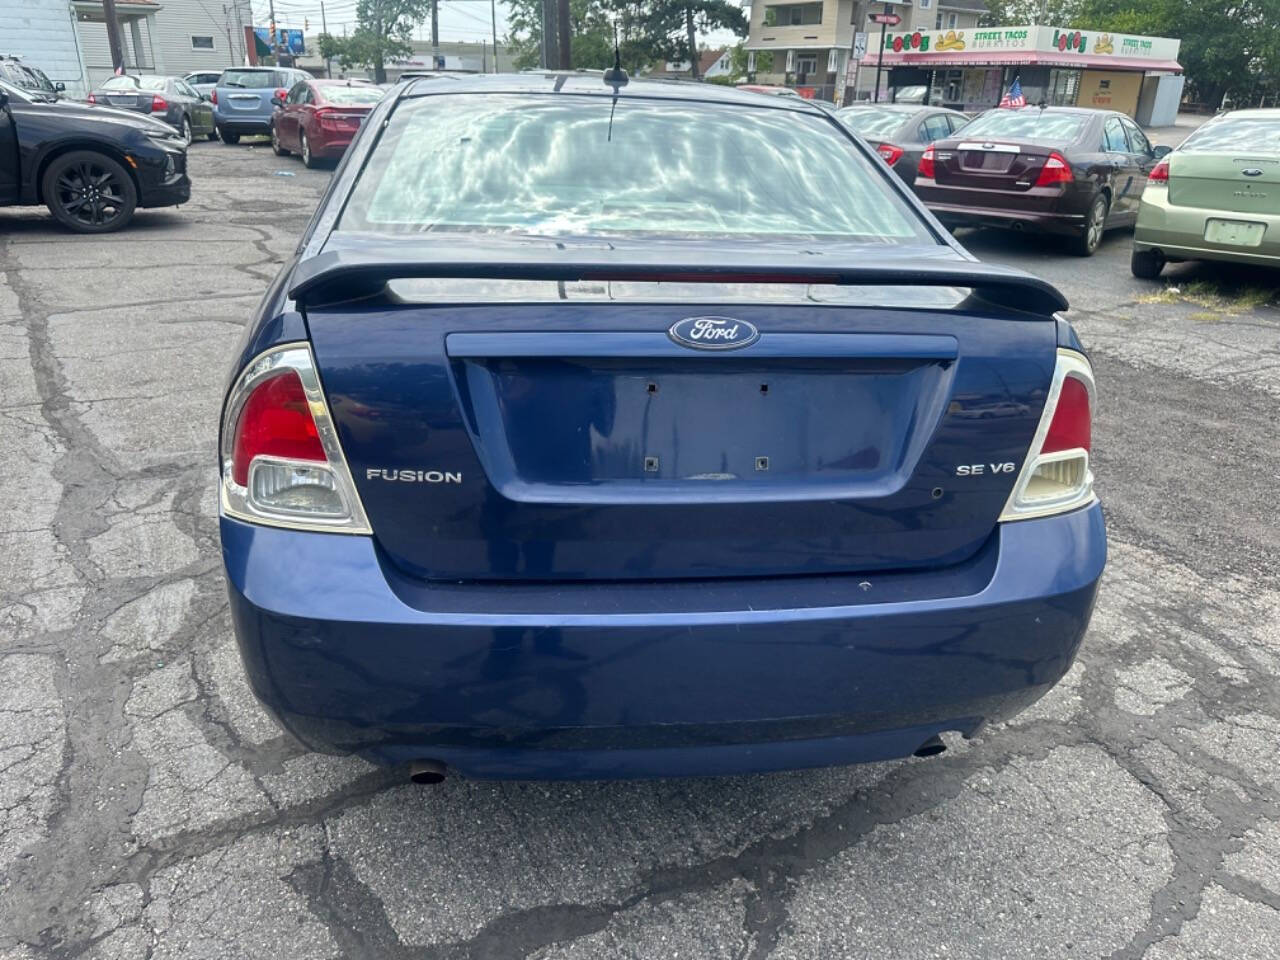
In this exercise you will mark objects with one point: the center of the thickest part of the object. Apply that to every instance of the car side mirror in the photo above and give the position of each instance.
(1161, 152)
(207, 97)
(60, 87)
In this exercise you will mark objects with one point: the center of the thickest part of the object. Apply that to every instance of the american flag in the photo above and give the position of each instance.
(1014, 98)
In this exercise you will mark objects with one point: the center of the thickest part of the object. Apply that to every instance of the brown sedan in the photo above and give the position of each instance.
(1064, 170)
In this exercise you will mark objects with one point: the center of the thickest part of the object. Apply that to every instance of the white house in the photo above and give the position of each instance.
(67, 39)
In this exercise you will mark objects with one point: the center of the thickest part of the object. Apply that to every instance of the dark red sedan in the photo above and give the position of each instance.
(317, 118)
(1064, 170)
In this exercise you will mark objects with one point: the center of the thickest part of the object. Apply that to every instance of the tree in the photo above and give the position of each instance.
(1226, 51)
(647, 30)
(1002, 13)
(383, 32)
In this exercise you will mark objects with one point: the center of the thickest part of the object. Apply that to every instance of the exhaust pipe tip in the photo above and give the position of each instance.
(427, 772)
(931, 747)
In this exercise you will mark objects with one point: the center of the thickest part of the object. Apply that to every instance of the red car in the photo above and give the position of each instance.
(318, 118)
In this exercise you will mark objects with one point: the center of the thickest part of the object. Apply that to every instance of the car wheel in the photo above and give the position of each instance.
(1094, 225)
(228, 137)
(187, 135)
(308, 158)
(276, 148)
(1146, 264)
(89, 192)
(212, 135)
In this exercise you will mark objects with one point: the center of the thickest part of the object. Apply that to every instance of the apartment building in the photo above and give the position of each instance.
(808, 45)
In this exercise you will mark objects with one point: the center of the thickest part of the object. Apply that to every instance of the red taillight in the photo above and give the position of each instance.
(1160, 173)
(92, 98)
(276, 421)
(213, 98)
(926, 163)
(159, 104)
(1071, 427)
(891, 153)
(281, 93)
(1055, 170)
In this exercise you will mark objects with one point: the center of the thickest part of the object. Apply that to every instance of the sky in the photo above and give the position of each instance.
(467, 20)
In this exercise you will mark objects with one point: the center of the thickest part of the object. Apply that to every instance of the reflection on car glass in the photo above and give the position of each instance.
(1030, 124)
(538, 166)
(1236, 133)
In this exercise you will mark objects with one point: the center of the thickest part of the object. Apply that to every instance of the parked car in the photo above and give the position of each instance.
(900, 132)
(318, 118)
(170, 99)
(243, 99)
(30, 79)
(1064, 170)
(1216, 197)
(630, 431)
(91, 166)
(203, 81)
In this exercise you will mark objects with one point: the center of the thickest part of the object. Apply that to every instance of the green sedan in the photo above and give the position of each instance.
(1217, 197)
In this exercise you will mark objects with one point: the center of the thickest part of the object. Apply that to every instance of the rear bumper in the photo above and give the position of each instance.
(1178, 232)
(1048, 209)
(245, 126)
(332, 146)
(653, 679)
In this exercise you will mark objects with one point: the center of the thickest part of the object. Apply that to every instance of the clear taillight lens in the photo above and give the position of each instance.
(282, 464)
(1056, 476)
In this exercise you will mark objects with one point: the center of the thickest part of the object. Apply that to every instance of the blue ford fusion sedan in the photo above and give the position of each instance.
(647, 429)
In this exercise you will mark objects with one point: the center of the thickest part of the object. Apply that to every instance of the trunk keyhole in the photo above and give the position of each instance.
(652, 388)
(650, 464)
(762, 463)
(764, 389)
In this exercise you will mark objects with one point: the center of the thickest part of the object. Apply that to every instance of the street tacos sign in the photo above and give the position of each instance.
(1030, 38)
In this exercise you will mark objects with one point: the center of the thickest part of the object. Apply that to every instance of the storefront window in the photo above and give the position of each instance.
(1064, 87)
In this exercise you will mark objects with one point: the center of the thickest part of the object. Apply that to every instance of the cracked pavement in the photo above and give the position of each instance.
(149, 808)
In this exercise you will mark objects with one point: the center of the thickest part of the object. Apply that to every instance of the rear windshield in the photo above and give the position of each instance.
(1236, 134)
(250, 79)
(574, 165)
(1030, 124)
(872, 121)
(29, 78)
(134, 83)
(353, 95)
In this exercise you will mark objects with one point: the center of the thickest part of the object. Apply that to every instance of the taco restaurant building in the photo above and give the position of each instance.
(971, 69)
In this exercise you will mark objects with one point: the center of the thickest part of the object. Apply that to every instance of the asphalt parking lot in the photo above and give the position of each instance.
(148, 808)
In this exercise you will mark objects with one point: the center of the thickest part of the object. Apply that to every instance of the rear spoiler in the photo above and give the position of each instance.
(338, 276)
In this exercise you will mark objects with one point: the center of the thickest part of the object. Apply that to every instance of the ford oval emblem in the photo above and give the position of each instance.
(713, 333)
(1252, 172)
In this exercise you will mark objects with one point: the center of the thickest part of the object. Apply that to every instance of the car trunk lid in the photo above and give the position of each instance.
(571, 436)
(1237, 181)
(990, 164)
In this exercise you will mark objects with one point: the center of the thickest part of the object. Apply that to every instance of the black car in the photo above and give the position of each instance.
(91, 166)
(901, 131)
(170, 99)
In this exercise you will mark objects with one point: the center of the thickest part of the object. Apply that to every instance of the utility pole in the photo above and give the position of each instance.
(562, 31)
(324, 28)
(493, 17)
(275, 35)
(435, 35)
(113, 35)
(548, 31)
(692, 36)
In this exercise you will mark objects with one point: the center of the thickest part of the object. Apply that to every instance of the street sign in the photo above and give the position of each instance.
(859, 45)
(888, 19)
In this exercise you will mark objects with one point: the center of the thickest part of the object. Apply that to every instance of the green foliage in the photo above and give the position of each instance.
(647, 32)
(1232, 51)
(384, 29)
(1049, 13)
